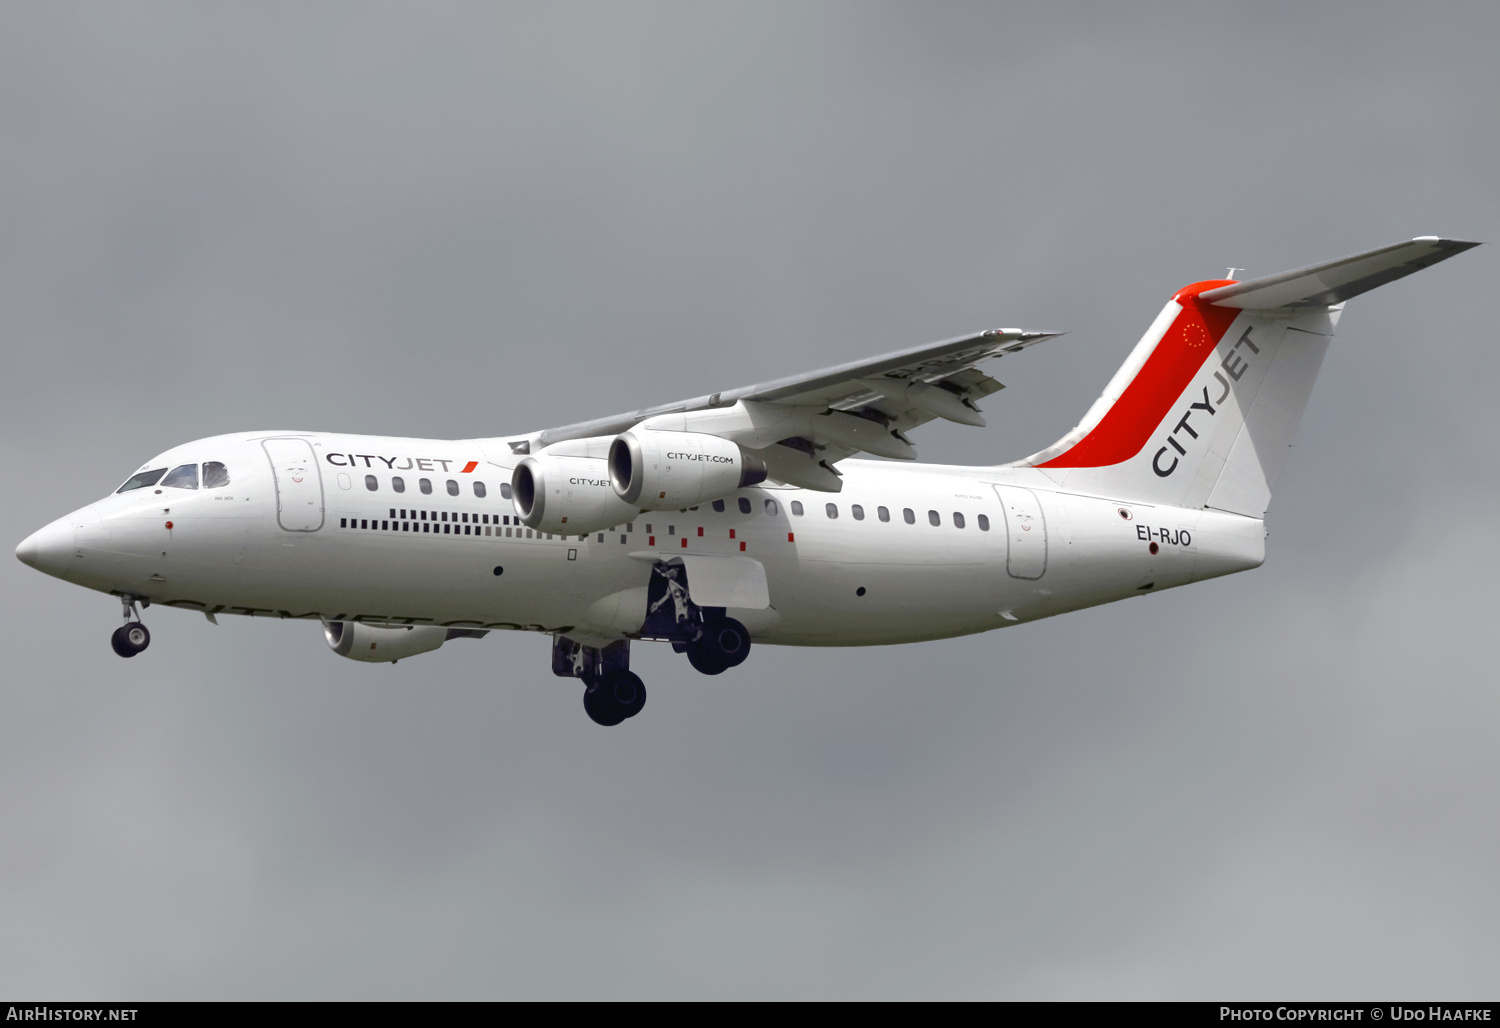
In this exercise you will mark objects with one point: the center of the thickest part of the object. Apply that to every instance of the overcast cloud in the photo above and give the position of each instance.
(469, 220)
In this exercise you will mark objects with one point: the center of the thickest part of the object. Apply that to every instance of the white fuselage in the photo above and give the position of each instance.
(328, 547)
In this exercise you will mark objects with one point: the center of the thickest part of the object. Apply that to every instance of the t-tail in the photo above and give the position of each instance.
(1203, 412)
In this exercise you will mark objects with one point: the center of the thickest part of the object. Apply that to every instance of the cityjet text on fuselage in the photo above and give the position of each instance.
(352, 460)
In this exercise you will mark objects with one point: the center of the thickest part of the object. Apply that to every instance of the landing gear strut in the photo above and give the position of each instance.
(132, 637)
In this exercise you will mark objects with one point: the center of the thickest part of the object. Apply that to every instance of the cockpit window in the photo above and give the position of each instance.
(184, 476)
(214, 475)
(142, 480)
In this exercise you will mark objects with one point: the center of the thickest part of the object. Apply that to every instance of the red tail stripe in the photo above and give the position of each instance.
(1125, 428)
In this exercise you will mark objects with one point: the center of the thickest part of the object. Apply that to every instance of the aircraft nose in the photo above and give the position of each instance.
(49, 549)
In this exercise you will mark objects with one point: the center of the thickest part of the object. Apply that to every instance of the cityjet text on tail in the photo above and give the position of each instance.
(745, 516)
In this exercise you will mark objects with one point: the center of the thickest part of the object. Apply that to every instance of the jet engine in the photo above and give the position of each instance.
(567, 495)
(377, 644)
(655, 470)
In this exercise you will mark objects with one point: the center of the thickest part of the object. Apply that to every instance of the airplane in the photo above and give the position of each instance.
(742, 517)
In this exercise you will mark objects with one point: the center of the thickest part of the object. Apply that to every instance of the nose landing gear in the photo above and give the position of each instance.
(132, 637)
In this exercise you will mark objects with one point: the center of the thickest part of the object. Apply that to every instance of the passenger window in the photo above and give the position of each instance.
(984, 523)
(452, 487)
(142, 480)
(797, 508)
(718, 506)
(911, 519)
(883, 513)
(505, 490)
(215, 475)
(479, 490)
(183, 477)
(933, 519)
(832, 509)
(858, 512)
(958, 520)
(424, 484)
(398, 483)
(744, 505)
(771, 508)
(371, 483)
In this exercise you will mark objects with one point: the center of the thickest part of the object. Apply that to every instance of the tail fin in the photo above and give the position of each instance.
(1204, 410)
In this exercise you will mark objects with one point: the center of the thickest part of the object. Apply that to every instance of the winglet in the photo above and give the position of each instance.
(1324, 285)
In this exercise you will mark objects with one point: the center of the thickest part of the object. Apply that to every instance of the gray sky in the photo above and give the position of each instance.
(469, 220)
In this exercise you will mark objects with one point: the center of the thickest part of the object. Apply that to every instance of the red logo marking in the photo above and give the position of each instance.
(469, 467)
(1125, 428)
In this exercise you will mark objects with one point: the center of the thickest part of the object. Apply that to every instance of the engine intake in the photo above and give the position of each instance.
(567, 495)
(654, 470)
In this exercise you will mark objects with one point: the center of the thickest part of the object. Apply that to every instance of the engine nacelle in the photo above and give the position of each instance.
(654, 470)
(378, 644)
(567, 495)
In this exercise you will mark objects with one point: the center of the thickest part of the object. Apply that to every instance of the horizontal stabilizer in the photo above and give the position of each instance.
(1324, 285)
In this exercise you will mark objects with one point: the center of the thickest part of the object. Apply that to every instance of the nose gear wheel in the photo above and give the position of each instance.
(132, 637)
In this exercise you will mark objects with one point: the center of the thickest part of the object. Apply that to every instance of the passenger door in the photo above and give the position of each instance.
(299, 486)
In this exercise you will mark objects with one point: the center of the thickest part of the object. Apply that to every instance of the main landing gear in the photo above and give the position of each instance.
(612, 692)
(722, 643)
(132, 637)
(713, 642)
(614, 697)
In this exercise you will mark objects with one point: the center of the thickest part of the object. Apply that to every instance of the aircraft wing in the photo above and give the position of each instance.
(801, 425)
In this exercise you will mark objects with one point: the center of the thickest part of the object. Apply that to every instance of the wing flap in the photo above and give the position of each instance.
(922, 363)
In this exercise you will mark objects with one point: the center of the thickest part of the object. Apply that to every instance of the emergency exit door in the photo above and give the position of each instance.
(299, 486)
